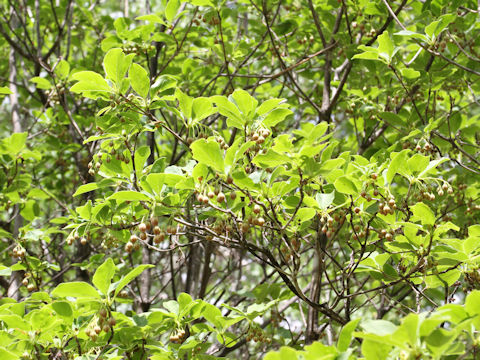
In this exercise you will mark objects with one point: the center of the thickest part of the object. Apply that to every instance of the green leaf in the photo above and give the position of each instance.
(128, 195)
(141, 156)
(325, 200)
(201, 2)
(156, 182)
(85, 211)
(423, 213)
(185, 103)
(202, 107)
(184, 300)
(171, 9)
(13, 144)
(379, 327)
(152, 18)
(208, 153)
(410, 73)
(139, 80)
(8, 355)
(385, 45)
(63, 308)
(268, 106)
(230, 111)
(236, 152)
(5, 90)
(432, 165)
(41, 83)
(172, 306)
(411, 34)
(276, 116)
(163, 83)
(116, 65)
(430, 28)
(62, 70)
(345, 186)
(82, 189)
(305, 214)
(129, 277)
(270, 159)
(346, 335)
(367, 55)
(76, 289)
(391, 119)
(417, 163)
(410, 328)
(283, 144)
(375, 350)
(245, 102)
(474, 230)
(285, 353)
(4, 270)
(89, 81)
(318, 351)
(440, 280)
(471, 303)
(397, 164)
(436, 27)
(104, 275)
(213, 315)
(14, 321)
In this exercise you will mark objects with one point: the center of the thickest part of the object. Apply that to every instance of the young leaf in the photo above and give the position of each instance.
(208, 153)
(104, 275)
(411, 34)
(116, 65)
(77, 289)
(367, 55)
(305, 214)
(345, 186)
(141, 155)
(245, 102)
(5, 90)
(139, 80)
(417, 163)
(41, 83)
(268, 106)
(62, 70)
(346, 335)
(410, 73)
(379, 327)
(129, 277)
(152, 18)
(171, 9)
(89, 81)
(156, 182)
(185, 103)
(270, 159)
(13, 144)
(276, 116)
(397, 164)
(385, 46)
(202, 107)
(471, 303)
(423, 213)
(128, 195)
(325, 200)
(63, 308)
(230, 111)
(82, 189)
(432, 165)
(375, 349)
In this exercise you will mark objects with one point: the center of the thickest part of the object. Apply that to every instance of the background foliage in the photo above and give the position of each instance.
(242, 179)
